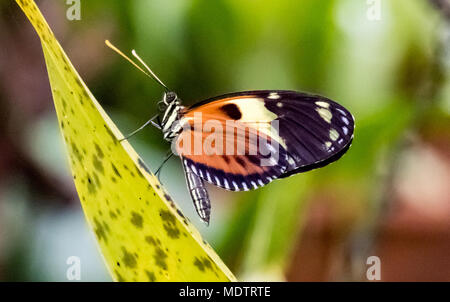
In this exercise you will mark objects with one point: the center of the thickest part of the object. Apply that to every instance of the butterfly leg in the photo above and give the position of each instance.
(158, 171)
(142, 127)
(198, 193)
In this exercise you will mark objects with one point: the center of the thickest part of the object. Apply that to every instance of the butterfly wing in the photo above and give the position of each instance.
(244, 158)
(292, 132)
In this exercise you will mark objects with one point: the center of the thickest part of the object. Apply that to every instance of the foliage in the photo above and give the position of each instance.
(142, 234)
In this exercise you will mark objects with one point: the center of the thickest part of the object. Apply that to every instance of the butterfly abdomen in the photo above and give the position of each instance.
(198, 193)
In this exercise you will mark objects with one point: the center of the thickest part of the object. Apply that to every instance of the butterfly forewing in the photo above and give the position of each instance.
(316, 130)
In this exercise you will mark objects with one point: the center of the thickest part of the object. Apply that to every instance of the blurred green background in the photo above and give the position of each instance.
(387, 61)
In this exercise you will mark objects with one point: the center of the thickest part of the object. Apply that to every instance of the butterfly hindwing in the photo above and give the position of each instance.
(301, 131)
(235, 171)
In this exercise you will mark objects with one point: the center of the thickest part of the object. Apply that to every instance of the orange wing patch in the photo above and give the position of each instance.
(223, 146)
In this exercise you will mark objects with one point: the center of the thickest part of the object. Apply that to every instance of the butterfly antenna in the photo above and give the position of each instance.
(149, 70)
(126, 58)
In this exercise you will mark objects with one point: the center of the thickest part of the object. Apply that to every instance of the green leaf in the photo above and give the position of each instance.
(142, 234)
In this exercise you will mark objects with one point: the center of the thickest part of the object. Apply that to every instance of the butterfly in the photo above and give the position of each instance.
(245, 140)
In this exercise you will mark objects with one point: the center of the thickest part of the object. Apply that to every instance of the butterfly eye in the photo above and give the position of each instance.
(170, 97)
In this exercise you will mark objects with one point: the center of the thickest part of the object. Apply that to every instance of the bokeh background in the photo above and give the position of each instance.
(389, 196)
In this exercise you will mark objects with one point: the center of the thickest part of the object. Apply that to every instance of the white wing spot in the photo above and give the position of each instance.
(279, 104)
(291, 161)
(323, 104)
(226, 183)
(274, 96)
(345, 120)
(235, 185)
(325, 114)
(260, 182)
(244, 185)
(334, 135)
(327, 144)
(341, 141)
(341, 111)
(254, 184)
(345, 129)
(194, 169)
(217, 180)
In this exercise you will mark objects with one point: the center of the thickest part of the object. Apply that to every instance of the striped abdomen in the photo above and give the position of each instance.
(198, 192)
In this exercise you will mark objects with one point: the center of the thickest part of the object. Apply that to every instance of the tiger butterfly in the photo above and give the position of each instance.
(269, 134)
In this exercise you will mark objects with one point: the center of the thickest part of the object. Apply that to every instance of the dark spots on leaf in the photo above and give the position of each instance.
(143, 166)
(152, 240)
(199, 264)
(128, 259)
(151, 276)
(137, 220)
(91, 185)
(112, 215)
(98, 165)
(166, 196)
(100, 230)
(203, 263)
(97, 180)
(115, 170)
(80, 98)
(159, 255)
(99, 151)
(113, 137)
(180, 213)
(182, 216)
(119, 277)
(113, 179)
(232, 111)
(76, 152)
(169, 224)
(160, 258)
(118, 263)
